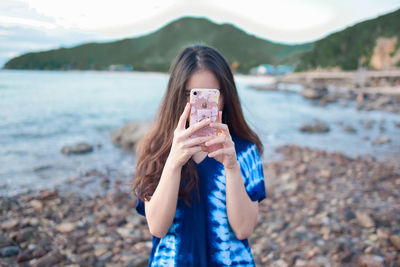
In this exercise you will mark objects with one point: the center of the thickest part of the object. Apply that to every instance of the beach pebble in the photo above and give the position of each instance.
(9, 251)
(370, 261)
(364, 219)
(395, 240)
(65, 227)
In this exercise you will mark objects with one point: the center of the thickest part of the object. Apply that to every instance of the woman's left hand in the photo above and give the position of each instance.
(225, 152)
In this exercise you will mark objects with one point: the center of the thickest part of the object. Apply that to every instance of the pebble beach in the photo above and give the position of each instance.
(322, 209)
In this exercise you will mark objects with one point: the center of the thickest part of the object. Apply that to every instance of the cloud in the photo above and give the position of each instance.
(41, 24)
(31, 23)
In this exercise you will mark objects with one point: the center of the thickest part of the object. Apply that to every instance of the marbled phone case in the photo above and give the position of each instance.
(204, 104)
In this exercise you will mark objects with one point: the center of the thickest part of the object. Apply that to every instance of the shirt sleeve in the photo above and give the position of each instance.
(140, 207)
(252, 173)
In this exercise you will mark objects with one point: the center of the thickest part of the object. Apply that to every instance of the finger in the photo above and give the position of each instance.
(184, 116)
(217, 140)
(195, 149)
(196, 141)
(198, 125)
(222, 151)
(220, 126)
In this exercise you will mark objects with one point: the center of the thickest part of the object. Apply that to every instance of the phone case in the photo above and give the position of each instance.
(204, 104)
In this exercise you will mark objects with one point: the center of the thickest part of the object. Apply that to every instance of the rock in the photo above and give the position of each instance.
(129, 135)
(124, 232)
(105, 182)
(381, 140)
(325, 174)
(329, 98)
(100, 249)
(25, 255)
(369, 124)
(36, 204)
(41, 168)
(300, 263)
(279, 263)
(395, 240)
(106, 256)
(317, 127)
(349, 214)
(84, 248)
(48, 260)
(314, 222)
(65, 227)
(139, 261)
(25, 234)
(48, 194)
(383, 233)
(370, 261)
(116, 221)
(4, 241)
(364, 219)
(265, 87)
(9, 224)
(9, 251)
(39, 252)
(349, 129)
(80, 148)
(313, 93)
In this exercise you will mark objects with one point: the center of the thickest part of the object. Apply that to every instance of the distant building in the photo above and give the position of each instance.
(120, 67)
(267, 69)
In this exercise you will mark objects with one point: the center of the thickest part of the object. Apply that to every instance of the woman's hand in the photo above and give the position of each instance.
(183, 147)
(225, 153)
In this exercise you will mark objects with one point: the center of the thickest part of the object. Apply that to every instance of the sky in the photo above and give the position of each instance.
(36, 25)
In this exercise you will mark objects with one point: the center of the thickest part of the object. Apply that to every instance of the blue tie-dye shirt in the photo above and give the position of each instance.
(201, 235)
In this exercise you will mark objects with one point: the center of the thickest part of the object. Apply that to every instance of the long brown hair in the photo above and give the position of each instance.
(153, 150)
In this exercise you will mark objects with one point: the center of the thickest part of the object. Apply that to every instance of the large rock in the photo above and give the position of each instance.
(129, 135)
(314, 93)
(381, 140)
(80, 148)
(317, 127)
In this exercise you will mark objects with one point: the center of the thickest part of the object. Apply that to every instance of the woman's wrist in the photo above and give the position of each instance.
(172, 164)
(235, 166)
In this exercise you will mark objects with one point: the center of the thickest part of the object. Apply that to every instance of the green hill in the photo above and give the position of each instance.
(155, 51)
(348, 47)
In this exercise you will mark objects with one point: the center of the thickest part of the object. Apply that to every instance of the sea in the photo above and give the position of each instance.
(42, 111)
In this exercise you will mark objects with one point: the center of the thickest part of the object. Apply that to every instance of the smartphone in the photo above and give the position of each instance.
(204, 104)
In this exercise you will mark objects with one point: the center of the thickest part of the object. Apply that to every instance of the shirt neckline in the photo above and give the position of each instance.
(201, 162)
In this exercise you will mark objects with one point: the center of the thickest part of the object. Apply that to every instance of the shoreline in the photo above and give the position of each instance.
(322, 209)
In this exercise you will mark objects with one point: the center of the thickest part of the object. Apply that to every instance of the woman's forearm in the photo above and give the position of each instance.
(160, 210)
(241, 210)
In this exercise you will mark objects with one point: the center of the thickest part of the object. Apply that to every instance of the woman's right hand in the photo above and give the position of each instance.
(183, 147)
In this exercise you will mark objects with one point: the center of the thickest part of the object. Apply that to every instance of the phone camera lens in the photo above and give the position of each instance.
(195, 92)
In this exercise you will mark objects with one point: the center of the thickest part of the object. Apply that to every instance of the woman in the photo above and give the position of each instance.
(200, 204)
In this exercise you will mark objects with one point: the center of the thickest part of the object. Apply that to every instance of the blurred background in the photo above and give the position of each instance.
(81, 81)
